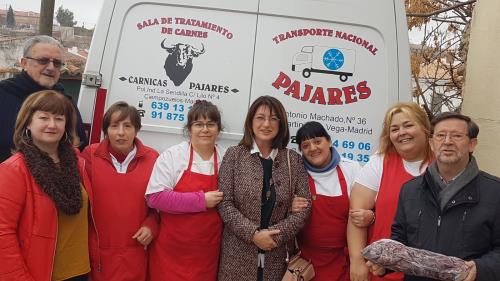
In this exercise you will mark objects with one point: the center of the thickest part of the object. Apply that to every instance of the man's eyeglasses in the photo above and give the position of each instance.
(44, 61)
(453, 136)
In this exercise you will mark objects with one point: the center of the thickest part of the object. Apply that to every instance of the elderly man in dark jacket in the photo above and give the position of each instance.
(41, 63)
(453, 208)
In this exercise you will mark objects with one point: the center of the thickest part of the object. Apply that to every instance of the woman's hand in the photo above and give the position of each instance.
(212, 198)
(299, 204)
(264, 239)
(362, 217)
(144, 235)
(359, 271)
(472, 273)
(375, 268)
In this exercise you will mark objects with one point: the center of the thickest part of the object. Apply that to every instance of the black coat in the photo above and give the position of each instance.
(468, 227)
(13, 92)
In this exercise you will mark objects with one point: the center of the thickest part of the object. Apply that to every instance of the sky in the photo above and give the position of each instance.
(85, 11)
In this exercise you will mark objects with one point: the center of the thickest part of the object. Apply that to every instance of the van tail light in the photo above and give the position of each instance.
(100, 102)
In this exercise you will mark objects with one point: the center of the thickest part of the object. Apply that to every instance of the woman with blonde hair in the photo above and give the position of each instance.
(404, 153)
(44, 196)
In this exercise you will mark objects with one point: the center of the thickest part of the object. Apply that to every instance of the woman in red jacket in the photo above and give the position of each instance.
(119, 168)
(44, 196)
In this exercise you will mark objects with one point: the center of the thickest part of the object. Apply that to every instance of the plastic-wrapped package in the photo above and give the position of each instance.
(411, 261)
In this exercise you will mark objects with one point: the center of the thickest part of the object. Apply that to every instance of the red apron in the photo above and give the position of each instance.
(393, 177)
(323, 239)
(119, 211)
(187, 247)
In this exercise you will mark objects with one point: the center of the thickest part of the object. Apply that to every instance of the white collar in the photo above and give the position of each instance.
(122, 167)
(255, 149)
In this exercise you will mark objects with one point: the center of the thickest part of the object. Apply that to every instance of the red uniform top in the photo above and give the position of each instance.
(119, 211)
(323, 240)
(394, 176)
(188, 245)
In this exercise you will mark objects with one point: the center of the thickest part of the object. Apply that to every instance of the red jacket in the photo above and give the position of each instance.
(28, 223)
(120, 210)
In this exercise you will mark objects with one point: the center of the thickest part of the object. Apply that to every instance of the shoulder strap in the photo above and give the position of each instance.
(290, 184)
(289, 169)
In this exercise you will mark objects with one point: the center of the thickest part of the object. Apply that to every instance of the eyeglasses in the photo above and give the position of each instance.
(453, 136)
(201, 125)
(45, 61)
(262, 119)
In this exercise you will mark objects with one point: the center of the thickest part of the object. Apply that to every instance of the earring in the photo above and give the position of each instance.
(66, 136)
(27, 134)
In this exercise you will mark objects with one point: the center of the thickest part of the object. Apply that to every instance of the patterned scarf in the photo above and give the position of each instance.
(60, 181)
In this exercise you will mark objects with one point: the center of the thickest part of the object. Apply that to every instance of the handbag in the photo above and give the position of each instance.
(298, 269)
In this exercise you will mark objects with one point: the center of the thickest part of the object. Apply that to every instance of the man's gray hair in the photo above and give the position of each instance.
(32, 41)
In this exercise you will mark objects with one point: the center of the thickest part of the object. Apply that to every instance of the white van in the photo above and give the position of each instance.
(338, 62)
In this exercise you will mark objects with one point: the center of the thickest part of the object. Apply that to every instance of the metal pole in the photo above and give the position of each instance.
(46, 17)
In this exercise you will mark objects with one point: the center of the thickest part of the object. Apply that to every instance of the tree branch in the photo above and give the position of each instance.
(420, 93)
(448, 21)
(426, 15)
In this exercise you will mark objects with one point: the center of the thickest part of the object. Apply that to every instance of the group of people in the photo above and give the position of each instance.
(118, 210)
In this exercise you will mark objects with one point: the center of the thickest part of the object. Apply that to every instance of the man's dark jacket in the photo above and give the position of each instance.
(468, 227)
(13, 92)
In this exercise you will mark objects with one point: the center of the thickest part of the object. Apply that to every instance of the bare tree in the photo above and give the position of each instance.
(438, 62)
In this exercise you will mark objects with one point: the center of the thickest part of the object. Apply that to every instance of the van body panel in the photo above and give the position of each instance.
(403, 50)
(341, 63)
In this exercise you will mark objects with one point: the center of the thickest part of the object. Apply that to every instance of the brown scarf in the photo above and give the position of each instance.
(60, 181)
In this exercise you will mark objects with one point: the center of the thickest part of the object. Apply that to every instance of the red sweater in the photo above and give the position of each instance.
(119, 211)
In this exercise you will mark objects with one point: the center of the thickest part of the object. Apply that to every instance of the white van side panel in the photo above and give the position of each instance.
(404, 74)
(106, 38)
(354, 71)
(162, 57)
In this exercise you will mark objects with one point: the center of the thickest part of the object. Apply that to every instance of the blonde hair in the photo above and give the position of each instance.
(50, 101)
(416, 114)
